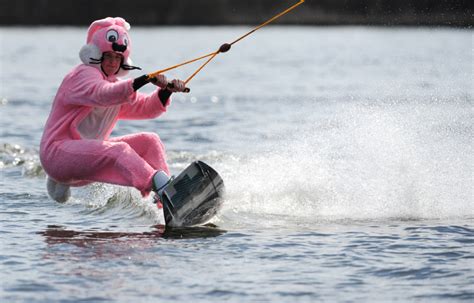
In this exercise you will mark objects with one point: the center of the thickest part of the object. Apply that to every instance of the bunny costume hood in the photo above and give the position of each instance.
(108, 35)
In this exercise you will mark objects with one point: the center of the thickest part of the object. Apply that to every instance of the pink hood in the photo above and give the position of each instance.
(107, 35)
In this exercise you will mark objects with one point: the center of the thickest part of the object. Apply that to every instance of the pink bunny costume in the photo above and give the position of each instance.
(76, 148)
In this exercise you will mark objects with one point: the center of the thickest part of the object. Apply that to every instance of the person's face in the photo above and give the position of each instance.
(111, 63)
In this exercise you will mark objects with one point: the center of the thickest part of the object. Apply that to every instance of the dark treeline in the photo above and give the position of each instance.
(236, 12)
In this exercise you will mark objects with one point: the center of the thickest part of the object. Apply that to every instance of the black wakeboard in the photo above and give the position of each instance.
(193, 197)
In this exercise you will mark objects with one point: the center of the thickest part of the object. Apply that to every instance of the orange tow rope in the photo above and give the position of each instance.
(222, 49)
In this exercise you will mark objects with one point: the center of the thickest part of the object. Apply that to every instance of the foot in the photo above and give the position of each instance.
(58, 191)
(160, 180)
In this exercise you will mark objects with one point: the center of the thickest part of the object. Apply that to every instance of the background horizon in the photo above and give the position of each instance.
(456, 13)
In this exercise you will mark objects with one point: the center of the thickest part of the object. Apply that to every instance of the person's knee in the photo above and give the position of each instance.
(151, 138)
(153, 142)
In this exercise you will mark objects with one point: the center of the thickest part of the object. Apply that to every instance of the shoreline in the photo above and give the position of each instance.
(455, 13)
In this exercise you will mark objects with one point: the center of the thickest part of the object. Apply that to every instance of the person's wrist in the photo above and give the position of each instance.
(163, 95)
(140, 82)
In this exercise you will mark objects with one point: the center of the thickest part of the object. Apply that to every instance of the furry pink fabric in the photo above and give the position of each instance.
(130, 160)
(102, 36)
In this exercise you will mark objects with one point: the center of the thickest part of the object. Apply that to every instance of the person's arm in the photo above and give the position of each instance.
(88, 87)
(151, 106)
(146, 106)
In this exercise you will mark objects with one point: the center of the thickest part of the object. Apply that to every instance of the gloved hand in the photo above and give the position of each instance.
(176, 86)
(173, 86)
(160, 81)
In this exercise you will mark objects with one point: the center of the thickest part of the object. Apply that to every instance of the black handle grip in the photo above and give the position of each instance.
(171, 86)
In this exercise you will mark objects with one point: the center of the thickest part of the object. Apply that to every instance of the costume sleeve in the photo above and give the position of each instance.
(88, 87)
(144, 107)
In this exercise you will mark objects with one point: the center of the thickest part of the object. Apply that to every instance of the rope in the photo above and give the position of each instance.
(224, 47)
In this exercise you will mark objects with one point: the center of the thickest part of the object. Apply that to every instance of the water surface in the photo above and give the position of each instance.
(346, 153)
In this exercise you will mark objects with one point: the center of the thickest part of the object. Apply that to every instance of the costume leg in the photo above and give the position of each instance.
(76, 161)
(149, 147)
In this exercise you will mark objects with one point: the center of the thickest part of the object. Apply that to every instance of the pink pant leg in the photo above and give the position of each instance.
(76, 161)
(149, 147)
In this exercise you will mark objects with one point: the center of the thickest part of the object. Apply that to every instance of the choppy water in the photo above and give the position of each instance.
(346, 151)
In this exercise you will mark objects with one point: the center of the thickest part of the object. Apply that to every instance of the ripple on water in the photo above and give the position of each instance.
(22, 285)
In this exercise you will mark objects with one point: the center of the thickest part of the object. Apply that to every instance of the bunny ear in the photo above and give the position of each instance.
(121, 21)
(96, 25)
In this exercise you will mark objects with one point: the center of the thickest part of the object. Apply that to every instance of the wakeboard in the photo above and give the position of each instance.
(194, 197)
